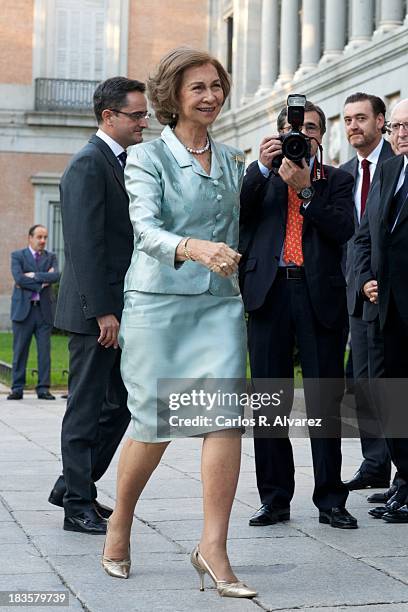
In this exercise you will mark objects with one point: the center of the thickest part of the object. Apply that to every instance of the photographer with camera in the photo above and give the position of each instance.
(296, 215)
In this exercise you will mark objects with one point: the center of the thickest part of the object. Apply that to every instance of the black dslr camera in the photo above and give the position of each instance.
(295, 145)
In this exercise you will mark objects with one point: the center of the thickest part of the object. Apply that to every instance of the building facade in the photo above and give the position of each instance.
(52, 55)
(54, 52)
(324, 49)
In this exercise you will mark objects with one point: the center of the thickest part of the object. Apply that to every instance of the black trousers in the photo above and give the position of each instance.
(285, 318)
(396, 367)
(95, 420)
(368, 363)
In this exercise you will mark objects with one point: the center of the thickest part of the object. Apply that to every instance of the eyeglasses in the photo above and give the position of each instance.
(395, 127)
(311, 128)
(136, 116)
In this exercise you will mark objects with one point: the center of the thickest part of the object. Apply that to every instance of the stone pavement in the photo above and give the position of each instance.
(300, 565)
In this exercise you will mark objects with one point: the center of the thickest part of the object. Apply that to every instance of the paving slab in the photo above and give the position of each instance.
(297, 565)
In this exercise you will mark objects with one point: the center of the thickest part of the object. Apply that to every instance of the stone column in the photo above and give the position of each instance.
(310, 50)
(391, 16)
(269, 45)
(362, 15)
(251, 20)
(238, 53)
(334, 30)
(289, 40)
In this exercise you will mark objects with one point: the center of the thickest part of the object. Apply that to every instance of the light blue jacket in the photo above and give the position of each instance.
(171, 197)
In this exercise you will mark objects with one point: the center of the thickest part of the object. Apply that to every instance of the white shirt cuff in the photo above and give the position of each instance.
(263, 169)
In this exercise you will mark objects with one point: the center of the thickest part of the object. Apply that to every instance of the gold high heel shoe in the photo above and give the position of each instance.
(224, 588)
(116, 568)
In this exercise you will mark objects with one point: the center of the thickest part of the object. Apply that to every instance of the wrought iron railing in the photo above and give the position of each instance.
(66, 95)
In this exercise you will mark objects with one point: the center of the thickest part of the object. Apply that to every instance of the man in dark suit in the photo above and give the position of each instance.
(34, 270)
(364, 119)
(382, 245)
(294, 225)
(98, 246)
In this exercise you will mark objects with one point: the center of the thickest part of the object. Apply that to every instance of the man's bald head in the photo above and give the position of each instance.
(399, 133)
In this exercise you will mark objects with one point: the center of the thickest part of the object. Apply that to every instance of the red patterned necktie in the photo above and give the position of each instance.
(292, 252)
(365, 185)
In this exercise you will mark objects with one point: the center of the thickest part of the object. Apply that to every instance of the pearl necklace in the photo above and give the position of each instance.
(205, 148)
(199, 151)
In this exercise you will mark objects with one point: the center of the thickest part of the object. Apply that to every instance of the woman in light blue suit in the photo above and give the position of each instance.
(183, 315)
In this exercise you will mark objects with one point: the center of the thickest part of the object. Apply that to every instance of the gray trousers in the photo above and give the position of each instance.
(23, 331)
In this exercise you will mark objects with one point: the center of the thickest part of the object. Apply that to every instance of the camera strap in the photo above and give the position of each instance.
(318, 173)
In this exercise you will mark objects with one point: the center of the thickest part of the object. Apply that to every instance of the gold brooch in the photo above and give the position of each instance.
(238, 159)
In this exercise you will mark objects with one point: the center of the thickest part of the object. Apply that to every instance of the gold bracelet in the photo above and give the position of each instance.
(186, 252)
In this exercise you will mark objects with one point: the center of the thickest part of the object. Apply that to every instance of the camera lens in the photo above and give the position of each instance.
(295, 147)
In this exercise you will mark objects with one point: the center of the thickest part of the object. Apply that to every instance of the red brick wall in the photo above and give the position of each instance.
(16, 41)
(156, 27)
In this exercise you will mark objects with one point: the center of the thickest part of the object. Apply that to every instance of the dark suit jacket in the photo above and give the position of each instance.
(328, 224)
(98, 239)
(366, 249)
(354, 298)
(392, 251)
(23, 261)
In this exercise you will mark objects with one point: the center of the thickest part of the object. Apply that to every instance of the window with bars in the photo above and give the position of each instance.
(79, 46)
(55, 236)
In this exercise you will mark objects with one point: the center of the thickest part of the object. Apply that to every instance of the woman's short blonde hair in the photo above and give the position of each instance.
(163, 87)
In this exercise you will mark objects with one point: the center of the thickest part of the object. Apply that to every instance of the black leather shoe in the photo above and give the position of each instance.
(382, 498)
(15, 395)
(269, 515)
(397, 516)
(55, 499)
(57, 495)
(101, 510)
(338, 517)
(58, 491)
(390, 506)
(46, 396)
(378, 512)
(364, 481)
(86, 522)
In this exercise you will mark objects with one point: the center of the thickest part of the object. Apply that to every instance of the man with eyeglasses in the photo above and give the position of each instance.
(98, 238)
(294, 223)
(386, 243)
(364, 121)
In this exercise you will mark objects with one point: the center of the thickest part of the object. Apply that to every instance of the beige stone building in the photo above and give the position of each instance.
(52, 54)
(325, 49)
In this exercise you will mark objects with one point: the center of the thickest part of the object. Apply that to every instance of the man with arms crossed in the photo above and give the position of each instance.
(98, 246)
(34, 269)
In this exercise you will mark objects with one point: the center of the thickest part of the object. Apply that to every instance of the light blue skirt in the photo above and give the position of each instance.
(174, 338)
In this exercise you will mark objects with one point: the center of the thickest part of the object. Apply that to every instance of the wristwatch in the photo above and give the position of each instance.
(306, 193)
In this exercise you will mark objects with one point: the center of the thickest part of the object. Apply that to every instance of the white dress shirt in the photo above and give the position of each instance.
(115, 147)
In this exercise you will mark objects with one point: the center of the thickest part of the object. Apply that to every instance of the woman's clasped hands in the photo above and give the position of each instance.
(216, 256)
